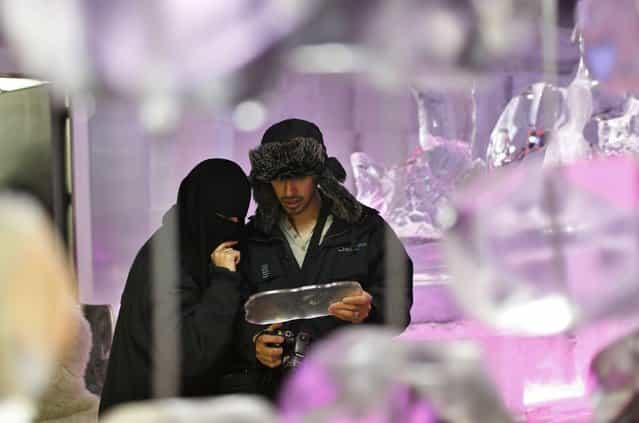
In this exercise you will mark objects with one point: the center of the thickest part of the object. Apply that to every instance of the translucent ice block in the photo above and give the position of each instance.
(537, 251)
(525, 124)
(451, 378)
(568, 144)
(228, 409)
(414, 196)
(306, 302)
(615, 371)
(367, 375)
(619, 135)
(105, 42)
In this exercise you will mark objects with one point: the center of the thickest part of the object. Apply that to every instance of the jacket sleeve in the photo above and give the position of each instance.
(207, 320)
(245, 330)
(383, 242)
(200, 319)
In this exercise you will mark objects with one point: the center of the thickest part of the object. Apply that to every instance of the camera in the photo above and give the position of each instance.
(294, 346)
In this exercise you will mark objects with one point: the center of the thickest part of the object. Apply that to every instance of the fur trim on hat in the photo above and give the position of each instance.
(343, 204)
(297, 157)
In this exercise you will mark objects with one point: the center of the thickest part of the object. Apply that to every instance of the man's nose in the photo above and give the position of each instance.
(290, 189)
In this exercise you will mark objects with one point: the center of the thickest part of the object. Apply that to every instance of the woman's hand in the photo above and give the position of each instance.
(225, 256)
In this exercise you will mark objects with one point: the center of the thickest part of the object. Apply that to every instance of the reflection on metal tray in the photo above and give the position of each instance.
(306, 302)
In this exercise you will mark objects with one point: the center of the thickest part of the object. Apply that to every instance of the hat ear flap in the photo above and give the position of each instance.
(343, 204)
(268, 207)
(264, 194)
(336, 168)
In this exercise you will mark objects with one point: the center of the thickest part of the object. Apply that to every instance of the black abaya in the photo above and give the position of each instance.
(207, 297)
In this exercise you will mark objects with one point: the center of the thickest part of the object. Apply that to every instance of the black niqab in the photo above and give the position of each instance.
(215, 190)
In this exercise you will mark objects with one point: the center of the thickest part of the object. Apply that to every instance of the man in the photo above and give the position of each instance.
(308, 229)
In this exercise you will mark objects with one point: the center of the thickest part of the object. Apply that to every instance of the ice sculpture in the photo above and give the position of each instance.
(547, 117)
(568, 144)
(307, 302)
(227, 409)
(372, 189)
(414, 196)
(156, 48)
(537, 251)
(36, 306)
(422, 187)
(365, 374)
(620, 134)
(615, 373)
(525, 124)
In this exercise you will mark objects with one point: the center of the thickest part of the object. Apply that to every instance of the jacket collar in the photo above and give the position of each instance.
(335, 235)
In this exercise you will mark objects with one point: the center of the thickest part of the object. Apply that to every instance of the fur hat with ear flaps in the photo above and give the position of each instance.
(295, 147)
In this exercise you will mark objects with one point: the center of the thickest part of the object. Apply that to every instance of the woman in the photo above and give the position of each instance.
(190, 294)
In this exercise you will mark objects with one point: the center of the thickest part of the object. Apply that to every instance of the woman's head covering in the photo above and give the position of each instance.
(214, 191)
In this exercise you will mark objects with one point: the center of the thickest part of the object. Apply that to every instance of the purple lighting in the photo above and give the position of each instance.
(535, 375)
(538, 251)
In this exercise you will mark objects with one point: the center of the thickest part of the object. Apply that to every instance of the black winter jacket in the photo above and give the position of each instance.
(347, 252)
(205, 319)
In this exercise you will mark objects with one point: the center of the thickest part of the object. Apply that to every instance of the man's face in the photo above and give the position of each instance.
(294, 194)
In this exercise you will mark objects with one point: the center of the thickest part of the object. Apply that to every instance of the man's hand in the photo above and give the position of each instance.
(352, 309)
(268, 355)
(225, 256)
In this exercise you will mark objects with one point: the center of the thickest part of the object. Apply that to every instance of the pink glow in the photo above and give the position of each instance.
(540, 378)
(614, 179)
